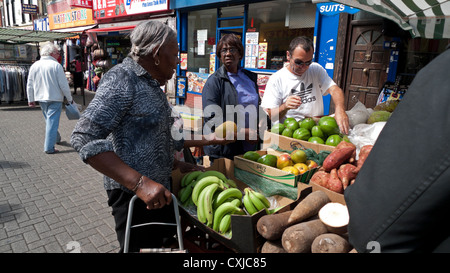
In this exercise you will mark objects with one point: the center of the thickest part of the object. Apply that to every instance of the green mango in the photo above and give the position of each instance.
(317, 132)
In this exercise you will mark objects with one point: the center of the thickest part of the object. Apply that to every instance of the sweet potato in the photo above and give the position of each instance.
(337, 157)
(344, 144)
(272, 226)
(363, 154)
(299, 237)
(330, 243)
(308, 207)
(320, 178)
(347, 172)
(273, 247)
(334, 183)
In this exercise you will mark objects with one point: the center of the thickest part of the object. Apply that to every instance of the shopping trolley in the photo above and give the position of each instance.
(177, 223)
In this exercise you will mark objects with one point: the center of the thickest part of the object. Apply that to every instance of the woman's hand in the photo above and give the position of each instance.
(153, 194)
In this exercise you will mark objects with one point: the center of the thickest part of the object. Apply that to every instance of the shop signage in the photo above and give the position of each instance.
(330, 9)
(30, 9)
(41, 24)
(104, 9)
(72, 18)
(81, 3)
(181, 87)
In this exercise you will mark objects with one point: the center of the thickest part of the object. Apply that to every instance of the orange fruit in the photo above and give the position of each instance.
(291, 169)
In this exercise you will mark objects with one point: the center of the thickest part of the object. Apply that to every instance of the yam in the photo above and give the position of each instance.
(335, 217)
(308, 207)
(347, 172)
(272, 226)
(330, 243)
(298, 238)
(273, 247)
(320, 178)
(337, 157)
(334, 183)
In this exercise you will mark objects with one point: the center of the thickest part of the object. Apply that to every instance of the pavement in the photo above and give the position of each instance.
(49, 203)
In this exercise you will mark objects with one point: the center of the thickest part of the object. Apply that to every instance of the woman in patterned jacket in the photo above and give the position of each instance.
(125, 133)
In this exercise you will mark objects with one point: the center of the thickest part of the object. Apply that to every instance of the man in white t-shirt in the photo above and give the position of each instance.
(296, 90)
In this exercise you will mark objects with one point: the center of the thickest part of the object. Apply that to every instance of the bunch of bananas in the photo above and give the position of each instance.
(254, 201)
(217, 198)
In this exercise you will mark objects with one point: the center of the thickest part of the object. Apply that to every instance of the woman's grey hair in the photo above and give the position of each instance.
(148, 36)
(49, 48)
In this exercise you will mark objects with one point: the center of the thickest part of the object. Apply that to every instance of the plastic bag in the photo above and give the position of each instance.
(358, 114)
(365, 134)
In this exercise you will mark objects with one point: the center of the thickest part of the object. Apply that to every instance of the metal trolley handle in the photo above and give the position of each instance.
(130, 216)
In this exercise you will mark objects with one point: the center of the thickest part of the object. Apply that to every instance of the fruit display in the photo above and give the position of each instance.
(216, 198)
(340, 167)
(314, 225)
(325, 131)
(296, 162)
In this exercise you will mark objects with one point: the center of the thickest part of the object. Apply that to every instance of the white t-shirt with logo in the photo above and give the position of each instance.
(311, 86)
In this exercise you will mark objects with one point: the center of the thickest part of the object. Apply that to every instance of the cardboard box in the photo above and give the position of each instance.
(288, 143)
(245, 238)
(334, 196)
(272, 173)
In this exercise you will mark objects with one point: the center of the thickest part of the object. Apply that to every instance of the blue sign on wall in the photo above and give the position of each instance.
(330, 9)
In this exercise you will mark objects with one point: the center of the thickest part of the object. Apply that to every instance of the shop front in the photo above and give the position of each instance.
(266, 29)
(108, 44)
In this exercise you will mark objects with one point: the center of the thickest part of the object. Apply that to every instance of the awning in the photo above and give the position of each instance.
(16, 35)
(427, 19)
(75, 29)
(106, 30)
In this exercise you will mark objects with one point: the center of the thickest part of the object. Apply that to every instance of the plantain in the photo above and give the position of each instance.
(189, 178)
(262, 198)
(200, 208)
(221, 211)
(225, 223)
(248, 204)
(186, 194)
(201, 184)
(259, 205)
(217, 174)
(226, 194)
(207, 202)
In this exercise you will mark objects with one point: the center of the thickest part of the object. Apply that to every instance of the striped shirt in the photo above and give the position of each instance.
(131, 116)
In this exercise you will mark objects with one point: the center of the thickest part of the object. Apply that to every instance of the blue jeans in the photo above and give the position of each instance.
(52, 112)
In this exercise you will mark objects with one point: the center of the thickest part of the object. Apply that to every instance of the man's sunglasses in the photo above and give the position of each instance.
(300, 63)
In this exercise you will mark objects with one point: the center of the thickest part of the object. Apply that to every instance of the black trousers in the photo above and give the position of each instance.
(152, 236)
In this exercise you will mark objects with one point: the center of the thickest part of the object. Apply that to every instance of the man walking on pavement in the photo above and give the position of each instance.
(48, 85)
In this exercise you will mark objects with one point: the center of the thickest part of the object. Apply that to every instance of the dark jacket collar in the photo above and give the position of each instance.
(223, 73)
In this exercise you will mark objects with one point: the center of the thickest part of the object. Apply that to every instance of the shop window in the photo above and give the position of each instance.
(271, 27)
(201, 39)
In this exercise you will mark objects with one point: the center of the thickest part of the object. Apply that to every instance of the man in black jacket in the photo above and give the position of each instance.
(401, 196)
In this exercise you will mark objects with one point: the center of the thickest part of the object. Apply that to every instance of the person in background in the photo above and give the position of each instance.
(125, 134)
(401, 195)
(78, 78)
(296, 90)
(232, 85)
(48, 85)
